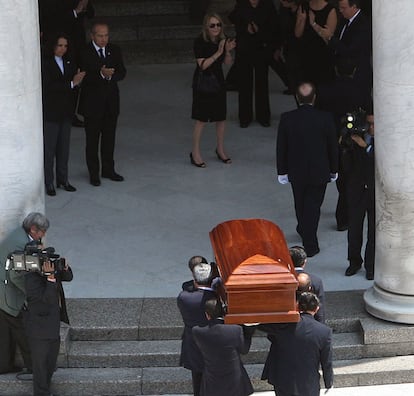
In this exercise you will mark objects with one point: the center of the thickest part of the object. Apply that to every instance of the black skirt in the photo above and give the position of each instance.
(209, 107)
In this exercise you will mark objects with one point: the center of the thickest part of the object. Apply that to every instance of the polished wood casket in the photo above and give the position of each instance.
(257, 271)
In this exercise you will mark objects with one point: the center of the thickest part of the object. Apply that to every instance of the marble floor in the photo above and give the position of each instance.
(133, 239)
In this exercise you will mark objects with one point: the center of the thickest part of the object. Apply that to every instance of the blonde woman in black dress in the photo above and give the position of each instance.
(211, 50)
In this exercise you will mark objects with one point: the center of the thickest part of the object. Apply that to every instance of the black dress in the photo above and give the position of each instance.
(316, 58)
(209, 107)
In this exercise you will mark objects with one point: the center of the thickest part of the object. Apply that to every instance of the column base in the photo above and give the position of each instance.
(392, 307)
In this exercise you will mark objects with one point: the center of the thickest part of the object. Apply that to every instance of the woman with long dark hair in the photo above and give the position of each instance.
(59, 80)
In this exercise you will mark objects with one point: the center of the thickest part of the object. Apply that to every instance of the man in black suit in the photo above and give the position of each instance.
(45, 309)
(99, 102)
(360, 175)
(221, 346)
(191, 303)
(299, 258)
(297, 351)
(351, 45)
(307, 157)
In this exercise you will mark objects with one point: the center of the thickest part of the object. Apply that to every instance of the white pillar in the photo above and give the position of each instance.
(21, 137)
(392, 296)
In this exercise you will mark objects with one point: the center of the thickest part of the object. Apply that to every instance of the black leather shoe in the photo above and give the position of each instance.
(113, 176)
(369, 275)
(265, 124)
(244, 124)
(66, 186)
(95, 181)
(352, 270)
(50, 190)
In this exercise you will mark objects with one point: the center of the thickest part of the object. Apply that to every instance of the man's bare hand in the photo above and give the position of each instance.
(107, 72)
(82, 5)
(359, 141)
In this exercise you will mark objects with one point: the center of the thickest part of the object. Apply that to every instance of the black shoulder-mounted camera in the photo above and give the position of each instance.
(355, 123)
(33, 257)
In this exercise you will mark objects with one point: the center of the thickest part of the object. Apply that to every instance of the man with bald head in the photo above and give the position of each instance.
(307, 157)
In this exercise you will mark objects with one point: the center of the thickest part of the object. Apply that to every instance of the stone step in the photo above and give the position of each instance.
(106, 8)
(136, 319)
(166, 353)
(177, 380)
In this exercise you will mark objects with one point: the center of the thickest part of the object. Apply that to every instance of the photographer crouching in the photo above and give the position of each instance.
(357, 144)
(46, 307)
(13, 293)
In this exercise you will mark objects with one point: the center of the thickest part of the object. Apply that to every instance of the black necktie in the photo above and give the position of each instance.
(101, 53)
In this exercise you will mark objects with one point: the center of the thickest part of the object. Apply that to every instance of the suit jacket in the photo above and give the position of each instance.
(98, 95)
(317, 288)
(266, 18)
(296, 352)
(307, 147)
(57, 16)
(57, 93)
(355, 48)
(12, 293)
(44, 298)
(221, 346)
(191, 305)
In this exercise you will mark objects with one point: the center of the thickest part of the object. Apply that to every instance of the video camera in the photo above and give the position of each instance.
(355, 123)
(33, 257)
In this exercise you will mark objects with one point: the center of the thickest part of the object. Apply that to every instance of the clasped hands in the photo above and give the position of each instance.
(107, 72)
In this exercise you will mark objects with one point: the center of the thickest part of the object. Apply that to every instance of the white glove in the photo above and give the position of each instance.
(283, 179)
(334, 176)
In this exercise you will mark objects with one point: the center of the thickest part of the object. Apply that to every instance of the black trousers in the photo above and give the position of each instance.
(11, 334)
(361, 204)
(100, 129)
(56, 142)
(44, 356)
(308, 201)
(196, 378)
(253, 76)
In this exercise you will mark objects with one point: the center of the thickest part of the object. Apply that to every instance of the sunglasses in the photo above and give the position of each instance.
(213, 25)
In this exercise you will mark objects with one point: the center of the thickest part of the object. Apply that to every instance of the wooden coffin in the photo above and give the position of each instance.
(257, 271)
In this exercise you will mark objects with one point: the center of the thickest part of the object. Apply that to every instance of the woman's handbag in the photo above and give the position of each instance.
(206, 82)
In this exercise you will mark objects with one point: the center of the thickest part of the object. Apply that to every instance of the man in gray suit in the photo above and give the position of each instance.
(13, 293)
(221, 346)
(297, 351)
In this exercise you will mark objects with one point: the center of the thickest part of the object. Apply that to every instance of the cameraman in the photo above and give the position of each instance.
(13, 295)
(359, 165)
(46, 308)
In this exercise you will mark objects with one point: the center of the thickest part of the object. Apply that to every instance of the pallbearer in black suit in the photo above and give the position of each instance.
(299, 258)
(191, 303)
(45, 309)
(99, 102)
(221, 346)
(307, 157)
(59, 81)
(297, 351)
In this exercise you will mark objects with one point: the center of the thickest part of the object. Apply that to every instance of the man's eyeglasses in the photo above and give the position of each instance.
(213, 25)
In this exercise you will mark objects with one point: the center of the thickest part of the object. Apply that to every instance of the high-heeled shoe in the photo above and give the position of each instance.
(225, 160)
(201, 165)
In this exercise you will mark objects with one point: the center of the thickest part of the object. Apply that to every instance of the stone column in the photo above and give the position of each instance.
(21, 137)
(392, 296)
